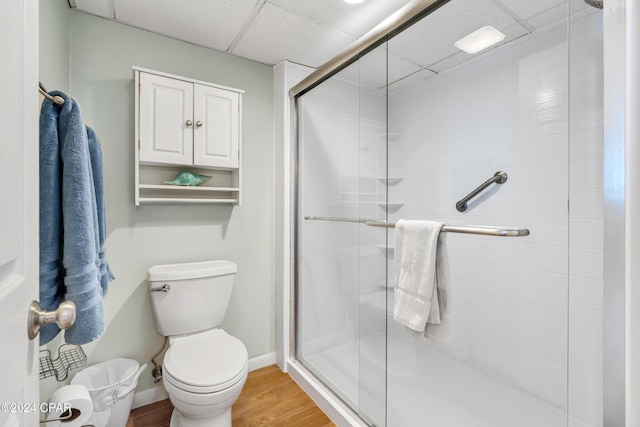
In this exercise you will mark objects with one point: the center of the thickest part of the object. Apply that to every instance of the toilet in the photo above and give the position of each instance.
(204, 368)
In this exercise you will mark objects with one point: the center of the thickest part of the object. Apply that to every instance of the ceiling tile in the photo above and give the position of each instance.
(276, 34)
(431, 40)
(526, 9)
(371, 70)
(352, 19)
(557, 13)
(548, 17)
(411, 80)
(95, 7)
(576, 6)
(400, 67)
(452, 61)
(313, 32)
(209, 23)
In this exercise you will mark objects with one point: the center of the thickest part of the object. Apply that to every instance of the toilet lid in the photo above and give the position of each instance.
(207, 359)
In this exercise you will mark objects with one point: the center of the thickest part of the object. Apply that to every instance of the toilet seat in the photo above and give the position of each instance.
(206, 362)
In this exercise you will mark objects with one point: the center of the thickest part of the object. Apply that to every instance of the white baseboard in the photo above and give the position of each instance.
(153, 394)
(262, 361)
(157, 392)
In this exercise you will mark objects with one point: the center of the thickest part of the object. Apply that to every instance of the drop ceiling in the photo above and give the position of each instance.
(310, 32)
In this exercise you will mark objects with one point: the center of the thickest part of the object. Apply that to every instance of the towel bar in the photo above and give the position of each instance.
(465, 229)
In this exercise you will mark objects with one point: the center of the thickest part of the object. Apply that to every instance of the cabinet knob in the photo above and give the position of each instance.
(198, 123)
(189, 122)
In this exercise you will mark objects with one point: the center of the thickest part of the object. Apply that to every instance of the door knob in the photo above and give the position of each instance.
(64, 316)
(198, 123)
(189, 122)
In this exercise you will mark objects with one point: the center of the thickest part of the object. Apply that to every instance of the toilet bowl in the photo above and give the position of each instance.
(204, 375)
(204, 367)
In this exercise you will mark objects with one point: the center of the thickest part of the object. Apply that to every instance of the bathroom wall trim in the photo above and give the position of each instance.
(632, 159)
(620, 210)
(285, 75)
(262, 361)
(153, 394)
(157, 392)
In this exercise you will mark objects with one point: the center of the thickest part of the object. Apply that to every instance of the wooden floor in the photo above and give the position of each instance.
(269, 398)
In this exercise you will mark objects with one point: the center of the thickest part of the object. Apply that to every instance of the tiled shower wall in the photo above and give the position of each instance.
(521, 315)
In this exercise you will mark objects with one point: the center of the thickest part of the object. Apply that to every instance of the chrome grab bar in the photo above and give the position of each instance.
(499, 177)
(465, 229)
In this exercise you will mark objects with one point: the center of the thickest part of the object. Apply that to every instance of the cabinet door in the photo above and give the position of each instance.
(216, 136)
(166, 120)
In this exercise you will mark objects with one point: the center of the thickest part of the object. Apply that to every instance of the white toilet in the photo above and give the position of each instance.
(204, 368)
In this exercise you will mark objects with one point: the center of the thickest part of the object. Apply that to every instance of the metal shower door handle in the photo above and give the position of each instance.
(64, 317)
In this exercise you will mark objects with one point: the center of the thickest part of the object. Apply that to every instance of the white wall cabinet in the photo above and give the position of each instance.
(185, 124)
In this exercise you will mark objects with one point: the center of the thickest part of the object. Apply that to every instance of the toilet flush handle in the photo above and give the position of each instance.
(165, 288)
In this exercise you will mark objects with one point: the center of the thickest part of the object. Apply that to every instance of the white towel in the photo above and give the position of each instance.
(422, 285)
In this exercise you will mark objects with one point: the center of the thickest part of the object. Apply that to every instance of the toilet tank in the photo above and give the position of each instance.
(190, 297)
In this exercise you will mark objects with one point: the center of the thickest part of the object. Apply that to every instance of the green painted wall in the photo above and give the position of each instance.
(100, 54)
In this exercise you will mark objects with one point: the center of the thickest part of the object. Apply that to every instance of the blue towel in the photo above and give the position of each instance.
(72, 232)
(106, 276)
(51, 286)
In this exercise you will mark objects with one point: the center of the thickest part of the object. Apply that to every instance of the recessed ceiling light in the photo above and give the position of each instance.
(353, 1)
(480, 39)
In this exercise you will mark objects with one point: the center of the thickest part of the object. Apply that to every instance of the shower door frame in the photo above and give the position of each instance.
(621, 203)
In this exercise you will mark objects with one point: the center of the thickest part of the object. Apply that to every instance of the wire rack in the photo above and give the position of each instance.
(69, 357)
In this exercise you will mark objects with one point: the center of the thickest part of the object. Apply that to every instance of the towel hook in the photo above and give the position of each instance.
(56, 99)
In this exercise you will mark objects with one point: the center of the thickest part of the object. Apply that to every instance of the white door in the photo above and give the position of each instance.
(217, 133)
(166, 120)
(18, 211)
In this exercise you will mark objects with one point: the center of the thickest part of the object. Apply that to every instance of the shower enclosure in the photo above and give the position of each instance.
(405, 131)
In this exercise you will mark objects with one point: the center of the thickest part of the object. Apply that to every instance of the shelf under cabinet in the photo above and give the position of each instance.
(162, 193)
(223, 186)
(159, 200)
(183, 188)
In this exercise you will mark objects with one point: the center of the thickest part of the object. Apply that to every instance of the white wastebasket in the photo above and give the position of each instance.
(111, 385)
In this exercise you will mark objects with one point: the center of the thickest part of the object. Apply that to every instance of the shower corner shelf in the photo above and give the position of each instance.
(390, 181)
(379, 301)
(392, 136)
(391, 207)
(69, 357)
(388, 251)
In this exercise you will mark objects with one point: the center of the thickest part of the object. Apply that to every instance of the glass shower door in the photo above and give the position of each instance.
(341, 294)
(456, 122)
